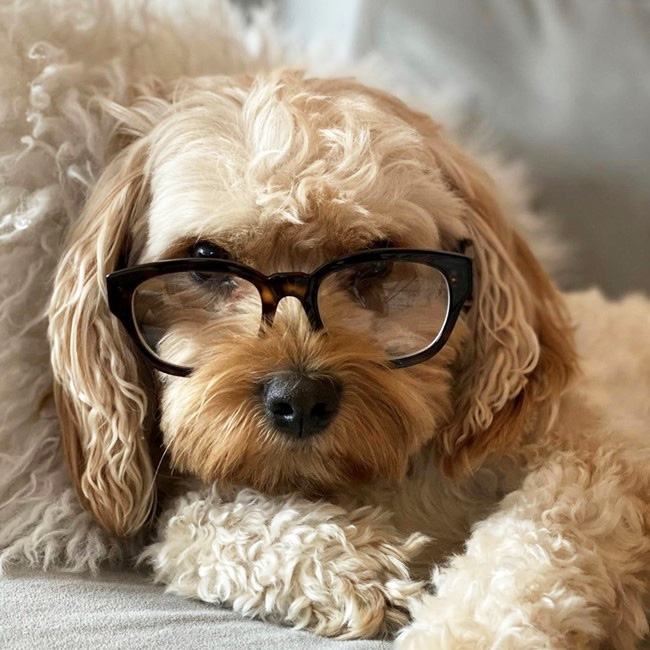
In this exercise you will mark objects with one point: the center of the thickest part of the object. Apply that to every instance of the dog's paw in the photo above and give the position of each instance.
(348, 608)
(437, 625)
(311, 565)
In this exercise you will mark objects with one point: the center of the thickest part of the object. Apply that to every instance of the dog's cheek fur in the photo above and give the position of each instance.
(214, 426)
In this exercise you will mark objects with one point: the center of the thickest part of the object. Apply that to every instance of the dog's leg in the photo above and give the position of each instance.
(564, 564)
(287, 559)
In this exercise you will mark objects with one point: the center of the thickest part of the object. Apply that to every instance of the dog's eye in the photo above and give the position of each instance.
(366, 284)
(371, 272)
(208, 249)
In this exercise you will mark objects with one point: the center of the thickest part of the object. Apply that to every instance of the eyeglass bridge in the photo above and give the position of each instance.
(285, 285)
(289, 285)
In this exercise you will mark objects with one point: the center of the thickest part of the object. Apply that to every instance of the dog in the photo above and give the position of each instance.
(295, 326)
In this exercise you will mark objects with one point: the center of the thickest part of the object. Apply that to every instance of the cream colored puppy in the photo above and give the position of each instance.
(327, 318)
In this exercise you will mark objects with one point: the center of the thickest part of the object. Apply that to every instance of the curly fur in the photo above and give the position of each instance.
(354, 580)
(317, 168)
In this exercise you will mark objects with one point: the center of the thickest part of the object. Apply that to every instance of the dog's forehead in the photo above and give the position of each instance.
(320, 174)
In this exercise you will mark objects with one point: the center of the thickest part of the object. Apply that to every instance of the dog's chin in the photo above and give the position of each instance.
(299, 468)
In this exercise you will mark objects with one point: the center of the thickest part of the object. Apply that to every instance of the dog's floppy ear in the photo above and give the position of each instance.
(522, 351)
(100, 393)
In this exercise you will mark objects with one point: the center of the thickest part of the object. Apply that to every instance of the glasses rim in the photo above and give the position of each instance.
(456, 268)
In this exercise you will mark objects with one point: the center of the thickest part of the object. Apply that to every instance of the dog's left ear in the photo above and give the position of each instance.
(101, 389)
(522, 352)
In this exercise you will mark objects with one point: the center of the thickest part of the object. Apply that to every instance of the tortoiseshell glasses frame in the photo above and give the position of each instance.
(455, 267)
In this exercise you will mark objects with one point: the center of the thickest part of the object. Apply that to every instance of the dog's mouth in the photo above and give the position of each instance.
(300, 466)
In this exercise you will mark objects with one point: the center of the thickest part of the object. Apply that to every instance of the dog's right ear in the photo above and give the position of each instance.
(101, 397)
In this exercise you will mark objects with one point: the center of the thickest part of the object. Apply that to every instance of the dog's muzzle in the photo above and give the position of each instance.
(299, 405)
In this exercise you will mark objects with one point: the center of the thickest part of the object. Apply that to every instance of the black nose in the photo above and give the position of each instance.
(299, 405)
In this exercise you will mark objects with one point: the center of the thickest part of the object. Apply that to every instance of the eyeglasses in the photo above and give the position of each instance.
(406, 302)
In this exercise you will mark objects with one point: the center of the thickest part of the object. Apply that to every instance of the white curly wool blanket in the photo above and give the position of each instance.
(55, 56)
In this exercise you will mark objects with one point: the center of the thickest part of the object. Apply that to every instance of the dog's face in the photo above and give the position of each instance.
(284, 174)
